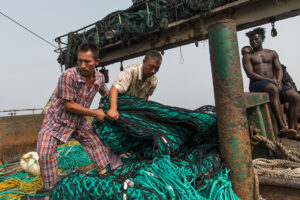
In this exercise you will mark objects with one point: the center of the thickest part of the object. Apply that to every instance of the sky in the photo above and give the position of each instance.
(29, 69)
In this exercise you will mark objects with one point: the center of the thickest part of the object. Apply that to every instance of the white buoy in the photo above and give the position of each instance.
(30, 163)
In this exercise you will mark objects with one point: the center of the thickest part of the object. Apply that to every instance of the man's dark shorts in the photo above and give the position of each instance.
(259, 86)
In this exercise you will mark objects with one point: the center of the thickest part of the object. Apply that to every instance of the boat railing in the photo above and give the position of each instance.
(20, 111)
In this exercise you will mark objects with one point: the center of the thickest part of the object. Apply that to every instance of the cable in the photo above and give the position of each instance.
(28, 29)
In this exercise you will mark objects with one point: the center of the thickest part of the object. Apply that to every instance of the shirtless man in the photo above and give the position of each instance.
(264, 71)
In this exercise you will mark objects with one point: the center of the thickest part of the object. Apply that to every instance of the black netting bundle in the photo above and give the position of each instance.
(148, 129)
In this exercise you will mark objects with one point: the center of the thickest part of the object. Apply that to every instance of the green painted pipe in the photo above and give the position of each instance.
(230, 105)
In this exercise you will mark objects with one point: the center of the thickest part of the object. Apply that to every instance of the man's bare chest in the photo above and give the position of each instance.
(261, 58)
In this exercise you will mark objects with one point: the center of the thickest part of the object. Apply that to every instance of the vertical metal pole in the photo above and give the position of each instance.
(230, 105)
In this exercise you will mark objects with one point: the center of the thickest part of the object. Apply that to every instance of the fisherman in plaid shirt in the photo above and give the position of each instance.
(65, 117)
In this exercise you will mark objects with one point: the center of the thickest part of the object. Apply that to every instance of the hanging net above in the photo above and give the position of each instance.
(134, 24)
(171, 153)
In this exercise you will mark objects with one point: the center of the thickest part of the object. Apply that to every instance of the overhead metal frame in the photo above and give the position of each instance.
(245, 13)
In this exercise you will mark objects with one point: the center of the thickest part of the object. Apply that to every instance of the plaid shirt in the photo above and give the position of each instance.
(71, 86)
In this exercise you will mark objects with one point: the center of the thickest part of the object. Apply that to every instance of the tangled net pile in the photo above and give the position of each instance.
(147, 129)
(19, 184)
(135, 23)
(172, 153)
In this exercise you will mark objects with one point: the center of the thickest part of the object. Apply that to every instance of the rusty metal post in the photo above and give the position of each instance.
(230, 105)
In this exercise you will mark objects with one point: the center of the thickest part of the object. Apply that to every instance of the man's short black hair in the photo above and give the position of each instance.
(154, 55)
(259, 31)
(84, 47)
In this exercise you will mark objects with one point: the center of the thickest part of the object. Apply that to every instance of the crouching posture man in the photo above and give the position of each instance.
(65, 117)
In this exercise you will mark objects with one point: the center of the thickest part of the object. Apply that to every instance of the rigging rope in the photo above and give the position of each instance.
(287, 164)
(28, 29)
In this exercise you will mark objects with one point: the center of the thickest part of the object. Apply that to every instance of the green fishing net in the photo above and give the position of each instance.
(173, 153)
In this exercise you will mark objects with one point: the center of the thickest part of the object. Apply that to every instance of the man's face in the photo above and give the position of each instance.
(86, 63)
(256, 41)
(150, 67)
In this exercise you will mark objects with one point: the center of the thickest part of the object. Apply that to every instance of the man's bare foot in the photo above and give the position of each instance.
(287, 133)
(103, 171)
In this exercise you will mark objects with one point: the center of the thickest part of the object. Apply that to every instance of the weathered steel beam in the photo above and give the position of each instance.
(230, 106)
(255, 99)
(281, 182)
(246, 14)
(279, 188)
